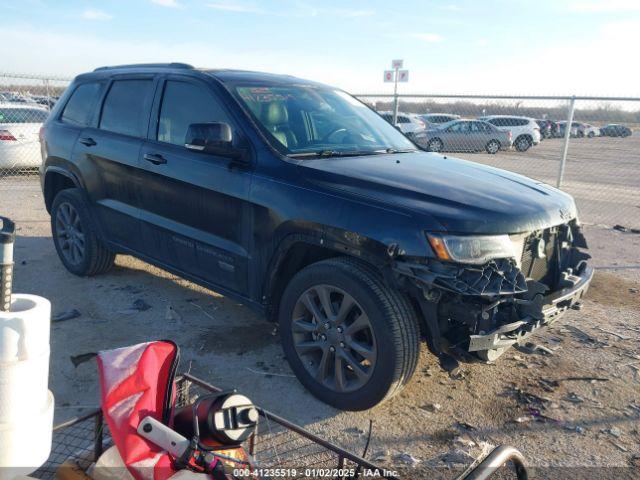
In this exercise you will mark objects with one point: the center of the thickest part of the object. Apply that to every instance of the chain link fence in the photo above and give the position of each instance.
(597, 159)
(25, 102)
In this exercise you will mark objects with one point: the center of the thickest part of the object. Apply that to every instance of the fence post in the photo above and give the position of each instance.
(567, 135)
(395, 100)
(46, 87)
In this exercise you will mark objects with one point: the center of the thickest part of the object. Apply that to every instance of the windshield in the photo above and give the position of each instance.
(302, 120)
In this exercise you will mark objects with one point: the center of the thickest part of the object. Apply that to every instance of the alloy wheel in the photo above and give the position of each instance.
(333, 338)
(70, 234)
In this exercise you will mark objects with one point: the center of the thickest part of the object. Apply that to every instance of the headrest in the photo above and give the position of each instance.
(275, 113)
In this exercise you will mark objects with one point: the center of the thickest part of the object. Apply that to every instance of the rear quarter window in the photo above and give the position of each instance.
(124, 109)
(80, 104)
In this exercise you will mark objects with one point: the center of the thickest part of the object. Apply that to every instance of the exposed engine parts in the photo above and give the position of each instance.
(487, 308)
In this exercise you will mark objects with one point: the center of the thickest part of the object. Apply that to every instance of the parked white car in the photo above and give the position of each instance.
(408, 123)
(19, 129)
(525, 131)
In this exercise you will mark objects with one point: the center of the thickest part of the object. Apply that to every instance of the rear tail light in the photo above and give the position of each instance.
(7, 136)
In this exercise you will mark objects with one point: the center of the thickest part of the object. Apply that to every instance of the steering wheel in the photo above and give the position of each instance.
(332, 133)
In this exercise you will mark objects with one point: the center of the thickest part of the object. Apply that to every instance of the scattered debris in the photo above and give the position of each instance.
(407, 459)
(354, 430)
(613, 431)
(618, 446)
(615, 334)
(530, 348)
(633, 290)
(381, 456)
(523, 419)
(82, 358)
(622, 228)
(432, 407)
(634, 461)
(138, 306)
(585, 379)
(68, 315)
(573, 398)
(270, 374)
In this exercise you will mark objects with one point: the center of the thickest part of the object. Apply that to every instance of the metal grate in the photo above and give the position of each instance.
(277, 443)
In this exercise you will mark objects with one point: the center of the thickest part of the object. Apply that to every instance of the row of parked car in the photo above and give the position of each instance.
(445, 132)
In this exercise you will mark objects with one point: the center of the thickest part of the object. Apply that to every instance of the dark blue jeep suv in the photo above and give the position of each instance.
(302, 202)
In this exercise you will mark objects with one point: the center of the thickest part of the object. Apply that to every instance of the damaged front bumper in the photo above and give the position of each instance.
(538, 313)
(490, 307)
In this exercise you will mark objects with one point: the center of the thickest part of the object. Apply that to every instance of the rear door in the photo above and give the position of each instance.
(108, 153)
(479, 135)
(194, 206)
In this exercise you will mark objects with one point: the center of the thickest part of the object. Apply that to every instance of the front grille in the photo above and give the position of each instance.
(541, 268)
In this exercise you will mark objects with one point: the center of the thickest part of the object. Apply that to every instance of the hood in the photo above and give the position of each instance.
(449, 194)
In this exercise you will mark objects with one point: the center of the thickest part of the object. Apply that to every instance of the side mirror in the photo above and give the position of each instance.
(215, 138)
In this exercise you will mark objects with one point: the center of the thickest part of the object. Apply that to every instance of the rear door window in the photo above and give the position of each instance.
(185, 103)
(124, 109)
(80, 105)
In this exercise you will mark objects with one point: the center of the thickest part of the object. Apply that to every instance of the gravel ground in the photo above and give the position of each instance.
(525, 399)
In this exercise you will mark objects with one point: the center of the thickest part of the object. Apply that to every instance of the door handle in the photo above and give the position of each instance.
(88, 141)
(155, 158)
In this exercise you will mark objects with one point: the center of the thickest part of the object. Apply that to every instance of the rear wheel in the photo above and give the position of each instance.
(591, 134)
(492, 147)
(350, 340)
(435, 145)
(522, 143)
(74, 236)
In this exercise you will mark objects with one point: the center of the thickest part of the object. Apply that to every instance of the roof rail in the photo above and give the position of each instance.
(148, 65)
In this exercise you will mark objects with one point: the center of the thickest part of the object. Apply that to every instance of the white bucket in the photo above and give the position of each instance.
(24, 330)
(23, 387)
(26, 445)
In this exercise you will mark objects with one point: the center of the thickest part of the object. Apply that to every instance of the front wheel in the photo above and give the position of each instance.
(591, 134)
(352, 341)
(492, 147)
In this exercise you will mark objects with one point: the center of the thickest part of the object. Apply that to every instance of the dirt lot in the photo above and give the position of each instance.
(526, 399)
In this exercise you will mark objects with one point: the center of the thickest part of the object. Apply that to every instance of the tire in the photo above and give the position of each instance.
(392, 334)
(492, 147)
(435, 145)
(591, 134)
(522, 143)
(91, 257)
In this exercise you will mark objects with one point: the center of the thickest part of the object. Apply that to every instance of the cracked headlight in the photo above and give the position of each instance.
(475, 249)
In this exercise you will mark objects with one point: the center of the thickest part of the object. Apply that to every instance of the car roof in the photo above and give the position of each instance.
(440, 114)
(222, 75)
(506, 116)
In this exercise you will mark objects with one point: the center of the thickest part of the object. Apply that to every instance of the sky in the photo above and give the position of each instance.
(539, 47)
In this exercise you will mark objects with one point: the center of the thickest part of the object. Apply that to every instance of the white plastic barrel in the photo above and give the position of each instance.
(26, 404)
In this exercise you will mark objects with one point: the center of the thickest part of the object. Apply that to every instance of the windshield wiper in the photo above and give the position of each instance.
(336, 153)
(396, 150)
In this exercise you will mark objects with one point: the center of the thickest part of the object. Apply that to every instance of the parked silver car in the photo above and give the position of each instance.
(434, 119)
(465, 135)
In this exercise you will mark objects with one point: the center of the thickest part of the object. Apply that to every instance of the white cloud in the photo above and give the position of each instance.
(231, 6)
(609, 6)
(92, 14)
(300, 10)
(481, 42)
(167, 3)
(426, 37)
